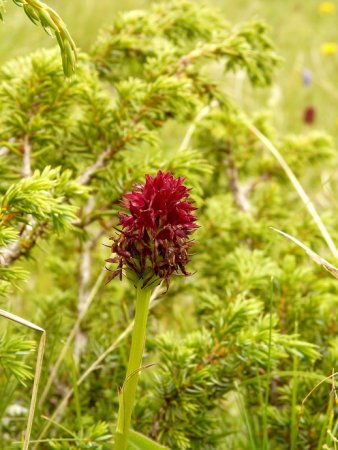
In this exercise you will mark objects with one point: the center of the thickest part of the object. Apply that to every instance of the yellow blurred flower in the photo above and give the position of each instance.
(337, 121)
(329, 48)
(327, 8)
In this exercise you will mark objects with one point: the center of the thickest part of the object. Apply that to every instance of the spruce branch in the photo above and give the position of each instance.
(237, 191)
(11, 348)
(132, 124)
(241, 49)
(99, 164)
(149, 115)
(159, 41)
(26, 159)
(41, 197)
(29, 236)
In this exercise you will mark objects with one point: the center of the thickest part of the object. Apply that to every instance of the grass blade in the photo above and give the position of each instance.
(38, 369)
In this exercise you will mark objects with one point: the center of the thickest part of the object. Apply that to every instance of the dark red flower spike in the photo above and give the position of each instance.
(154, 240)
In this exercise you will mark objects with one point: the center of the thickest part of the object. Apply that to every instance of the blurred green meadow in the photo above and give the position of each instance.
(305, 34)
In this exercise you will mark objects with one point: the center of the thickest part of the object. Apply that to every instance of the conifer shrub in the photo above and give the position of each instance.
(240, 354)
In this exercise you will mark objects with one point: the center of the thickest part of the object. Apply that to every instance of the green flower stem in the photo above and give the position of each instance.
(128, 390)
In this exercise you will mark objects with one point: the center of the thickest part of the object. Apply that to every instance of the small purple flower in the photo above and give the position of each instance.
(307, 77)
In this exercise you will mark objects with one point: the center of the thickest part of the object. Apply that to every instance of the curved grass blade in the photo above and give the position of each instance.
(38, 368)
(313, 255)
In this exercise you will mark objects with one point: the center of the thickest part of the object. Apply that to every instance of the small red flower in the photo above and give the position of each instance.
(154, 239)
(309, 115)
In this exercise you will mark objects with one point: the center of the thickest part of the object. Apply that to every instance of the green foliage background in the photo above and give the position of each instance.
(296, 27)
(240, 344)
